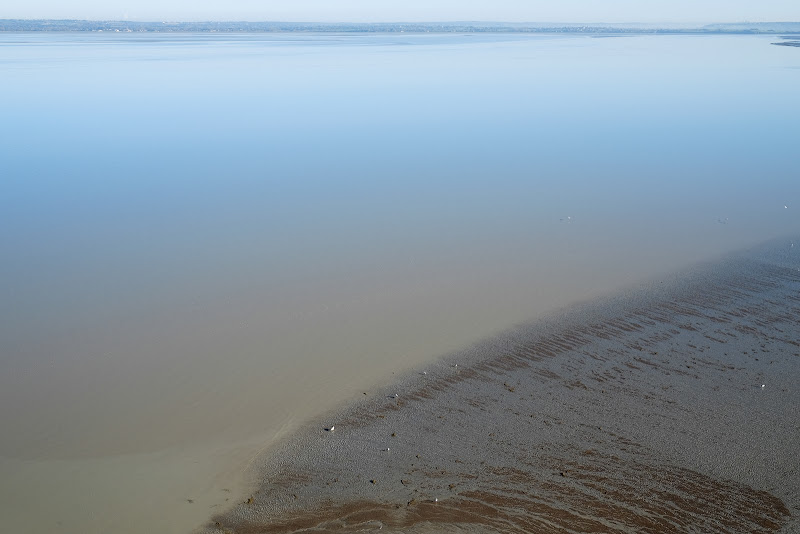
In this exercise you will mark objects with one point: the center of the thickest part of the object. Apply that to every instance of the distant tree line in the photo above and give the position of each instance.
(24, 25)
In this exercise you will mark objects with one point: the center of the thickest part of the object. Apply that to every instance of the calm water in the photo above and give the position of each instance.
(208, 239)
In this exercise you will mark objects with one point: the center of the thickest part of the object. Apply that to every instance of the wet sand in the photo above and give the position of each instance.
(672, 407)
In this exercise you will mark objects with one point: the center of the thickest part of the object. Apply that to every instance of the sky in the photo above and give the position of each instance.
(650, 11)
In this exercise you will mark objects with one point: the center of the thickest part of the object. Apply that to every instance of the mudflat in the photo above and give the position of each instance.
(670, 408)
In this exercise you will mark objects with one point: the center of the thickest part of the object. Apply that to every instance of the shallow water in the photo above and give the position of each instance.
(208, 239)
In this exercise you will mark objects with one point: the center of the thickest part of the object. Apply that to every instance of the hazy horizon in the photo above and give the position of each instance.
(661, 24)
(651, 24)
(365, 11)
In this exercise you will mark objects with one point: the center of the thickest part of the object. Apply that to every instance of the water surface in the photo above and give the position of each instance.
(208, 239)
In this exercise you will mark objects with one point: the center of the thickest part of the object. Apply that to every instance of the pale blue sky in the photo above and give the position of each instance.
(691, 11)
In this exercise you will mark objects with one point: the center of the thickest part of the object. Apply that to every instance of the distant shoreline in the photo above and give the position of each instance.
(59, 25)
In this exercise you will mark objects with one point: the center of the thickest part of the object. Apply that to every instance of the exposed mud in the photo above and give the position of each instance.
(668, 410)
